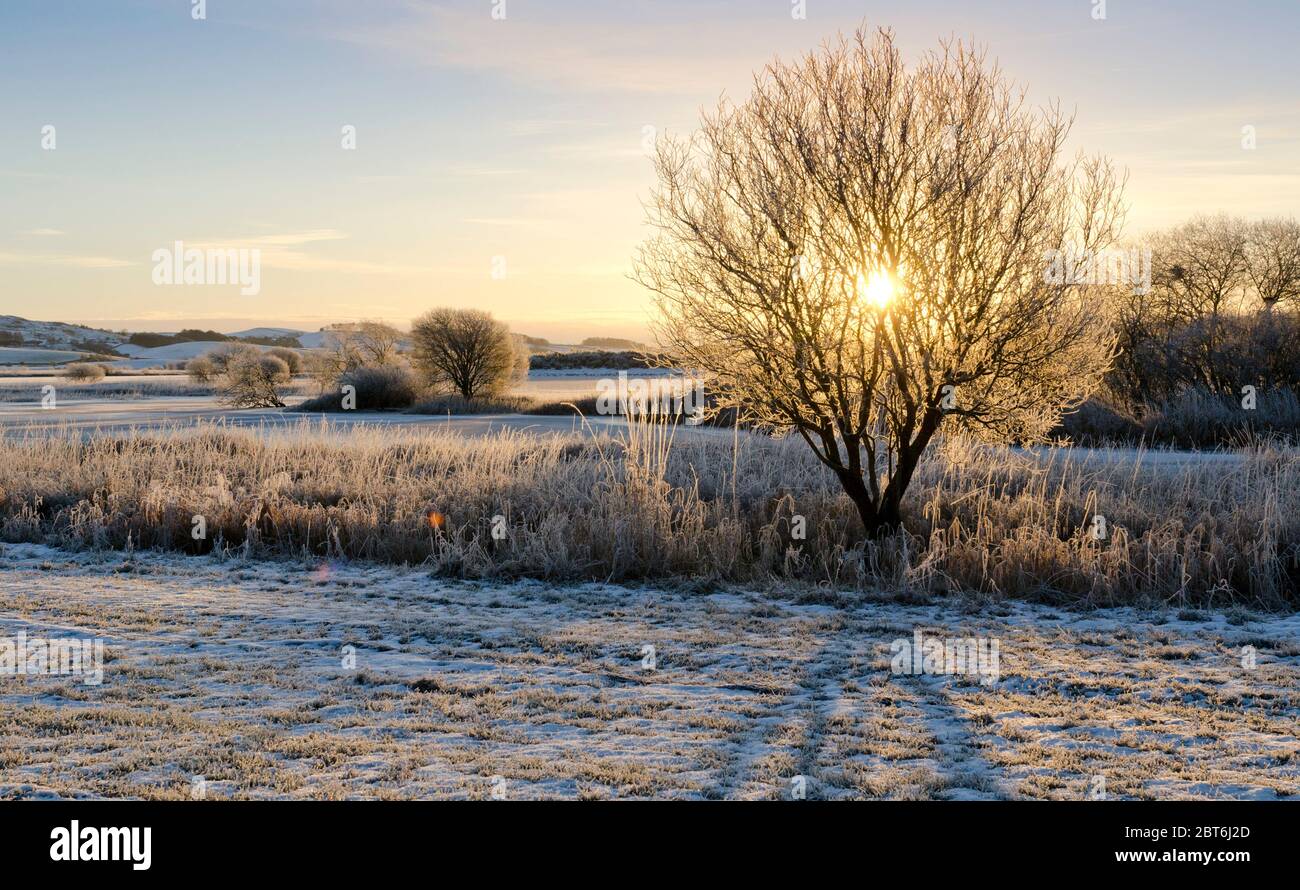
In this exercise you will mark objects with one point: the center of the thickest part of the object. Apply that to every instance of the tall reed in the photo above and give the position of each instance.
(658, 503)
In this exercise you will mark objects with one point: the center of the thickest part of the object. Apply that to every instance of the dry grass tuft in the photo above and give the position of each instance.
(700, 509)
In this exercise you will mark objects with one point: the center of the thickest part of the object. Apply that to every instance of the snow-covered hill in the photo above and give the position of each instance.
(309, 339)
(55, 334)
(159, 356)
(56, 342)
(172, 352)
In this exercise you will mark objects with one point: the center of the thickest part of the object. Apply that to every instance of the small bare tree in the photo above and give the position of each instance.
(200, 369)
(84, 372)
(1273, 261)
(466, 350)
(291, 358)
(1199, 279)
(252, 381)
(371, 344)
(347, 347)
(227, 354)
(860, 253)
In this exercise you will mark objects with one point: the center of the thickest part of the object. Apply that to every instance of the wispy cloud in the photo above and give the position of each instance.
(61, 259)
(1228, 119)
(628, 147)
(510, 221)
(573, 53)
(43, 232)
(542, 126)
(280, 251)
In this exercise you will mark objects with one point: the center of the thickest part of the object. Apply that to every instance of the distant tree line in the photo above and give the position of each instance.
(1209, 354)
(611, 343)
(563, 361)
(148, 340)
(1222, 312)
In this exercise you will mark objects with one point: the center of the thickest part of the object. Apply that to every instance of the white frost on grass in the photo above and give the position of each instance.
(233, 671)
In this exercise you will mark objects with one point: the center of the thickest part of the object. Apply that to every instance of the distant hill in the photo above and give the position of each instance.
(23, 341)
(307, 339)
(16, 332)
(613, 344)
(171, 354)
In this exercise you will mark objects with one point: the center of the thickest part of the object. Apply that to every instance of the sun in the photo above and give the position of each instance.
(877, 289)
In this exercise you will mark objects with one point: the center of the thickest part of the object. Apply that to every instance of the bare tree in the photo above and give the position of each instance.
(252, 381)
(1273, 260)
(353, 345)
(1199, 279)
(1209, 319)
(84, 372)
(227, 354)
(200, 369)
(859, 253)
(291, 358)
(1199, 267)
(374, 343)
(467, 351)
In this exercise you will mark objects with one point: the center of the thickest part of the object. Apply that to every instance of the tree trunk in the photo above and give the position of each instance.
(856, 489)
(891, 506)
(884, 519)
(889, 519)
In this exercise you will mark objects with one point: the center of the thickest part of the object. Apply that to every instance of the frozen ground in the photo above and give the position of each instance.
(235, 671)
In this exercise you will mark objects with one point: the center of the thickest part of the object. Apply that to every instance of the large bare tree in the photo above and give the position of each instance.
(861, 252)
(468, 351)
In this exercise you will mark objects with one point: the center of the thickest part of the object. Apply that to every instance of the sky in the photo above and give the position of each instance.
(500, 162)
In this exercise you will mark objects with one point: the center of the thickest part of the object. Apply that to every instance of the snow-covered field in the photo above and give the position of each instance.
(239, 672)
(108, 415)
(55, 334)
(26, 355)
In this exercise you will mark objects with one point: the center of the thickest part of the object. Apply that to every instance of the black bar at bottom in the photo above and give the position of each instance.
(365, 840)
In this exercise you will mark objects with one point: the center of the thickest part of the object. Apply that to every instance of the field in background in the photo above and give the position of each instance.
(27, 391)
(24, 386)
(23, 355)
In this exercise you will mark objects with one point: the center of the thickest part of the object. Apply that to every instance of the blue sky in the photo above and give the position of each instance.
(520, 138)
